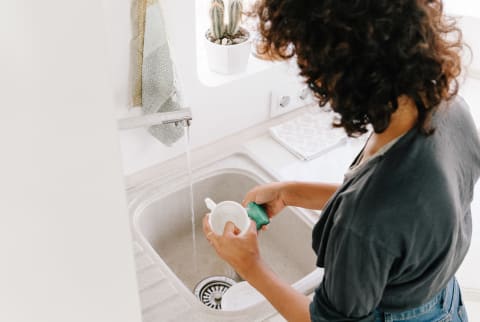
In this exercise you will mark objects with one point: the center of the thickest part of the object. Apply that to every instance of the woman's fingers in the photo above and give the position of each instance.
(249, 197)
(239, 251)
(206, 226)
(268, 196)
(253, 227)
(230, 229)
(209, 234)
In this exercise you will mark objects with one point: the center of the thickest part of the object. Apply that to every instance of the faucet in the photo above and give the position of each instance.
(181, 116)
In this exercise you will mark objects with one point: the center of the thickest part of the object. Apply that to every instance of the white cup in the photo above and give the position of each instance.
(224, 212)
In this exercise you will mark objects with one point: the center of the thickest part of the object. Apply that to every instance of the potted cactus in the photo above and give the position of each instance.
(228, 45)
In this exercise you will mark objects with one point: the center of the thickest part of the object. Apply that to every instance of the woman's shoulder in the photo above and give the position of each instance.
(455, 114)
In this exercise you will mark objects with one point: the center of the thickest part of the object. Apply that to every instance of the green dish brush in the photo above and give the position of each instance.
(257, 214)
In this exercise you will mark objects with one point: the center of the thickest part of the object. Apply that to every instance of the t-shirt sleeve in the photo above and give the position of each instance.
(356, 272)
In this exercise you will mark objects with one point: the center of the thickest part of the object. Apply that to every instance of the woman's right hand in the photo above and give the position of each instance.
(270, 196)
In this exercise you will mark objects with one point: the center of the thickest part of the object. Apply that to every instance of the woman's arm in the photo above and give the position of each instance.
(291, 304)
(242, 253)
(277, 195)
(308, 195)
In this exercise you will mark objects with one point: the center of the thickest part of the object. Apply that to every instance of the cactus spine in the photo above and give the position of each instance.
(217, 28)
(220, 2)
(235, 17)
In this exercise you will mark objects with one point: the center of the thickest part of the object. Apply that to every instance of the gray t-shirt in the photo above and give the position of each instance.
(398, 228)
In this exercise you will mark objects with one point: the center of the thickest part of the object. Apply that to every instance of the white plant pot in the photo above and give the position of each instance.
(229, 59)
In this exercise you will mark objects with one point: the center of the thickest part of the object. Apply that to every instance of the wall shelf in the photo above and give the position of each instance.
(213, 79)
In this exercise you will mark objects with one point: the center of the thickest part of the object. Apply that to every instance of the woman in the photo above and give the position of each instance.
(392, 236)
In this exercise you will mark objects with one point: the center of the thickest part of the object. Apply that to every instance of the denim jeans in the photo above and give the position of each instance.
(444, 307)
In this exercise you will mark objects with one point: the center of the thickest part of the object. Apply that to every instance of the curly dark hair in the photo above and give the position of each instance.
(361, 56)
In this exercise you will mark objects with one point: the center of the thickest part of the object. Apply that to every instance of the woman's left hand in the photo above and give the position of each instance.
(241, 252)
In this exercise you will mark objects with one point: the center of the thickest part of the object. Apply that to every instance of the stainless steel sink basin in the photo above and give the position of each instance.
(162, 219)
(166, 225)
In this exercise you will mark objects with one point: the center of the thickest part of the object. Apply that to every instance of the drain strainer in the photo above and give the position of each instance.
(210, 290)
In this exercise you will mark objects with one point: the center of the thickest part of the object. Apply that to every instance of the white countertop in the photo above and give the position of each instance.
(330, 167)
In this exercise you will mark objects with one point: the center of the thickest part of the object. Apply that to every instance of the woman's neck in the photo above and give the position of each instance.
(404, 119)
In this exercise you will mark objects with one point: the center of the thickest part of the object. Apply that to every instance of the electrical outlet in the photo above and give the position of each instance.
(290, 97)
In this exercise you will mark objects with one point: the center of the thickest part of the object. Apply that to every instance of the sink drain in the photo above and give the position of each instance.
(210, 290)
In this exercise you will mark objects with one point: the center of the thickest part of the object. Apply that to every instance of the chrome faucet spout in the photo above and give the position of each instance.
(182, 116)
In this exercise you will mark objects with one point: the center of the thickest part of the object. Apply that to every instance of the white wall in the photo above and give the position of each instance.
(236, 106)
(65, 247)
(463, 7)
(217, 111)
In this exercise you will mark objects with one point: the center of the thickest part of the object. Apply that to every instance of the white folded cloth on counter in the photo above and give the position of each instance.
(310, 135)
